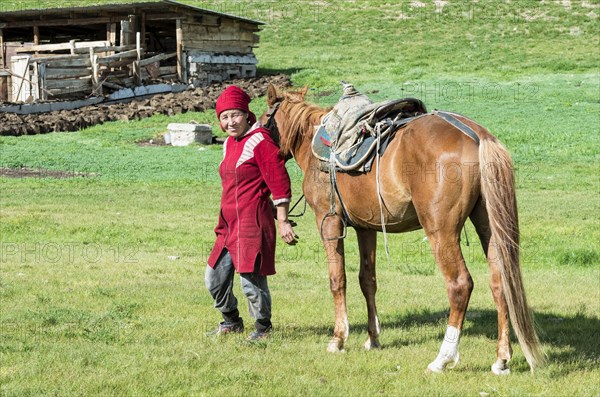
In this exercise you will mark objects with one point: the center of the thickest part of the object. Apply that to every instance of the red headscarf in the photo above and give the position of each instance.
(233, 97)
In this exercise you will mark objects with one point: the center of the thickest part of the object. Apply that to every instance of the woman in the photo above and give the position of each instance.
(252, 170)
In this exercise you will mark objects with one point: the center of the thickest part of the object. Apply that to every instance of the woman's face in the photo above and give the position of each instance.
(234, 122)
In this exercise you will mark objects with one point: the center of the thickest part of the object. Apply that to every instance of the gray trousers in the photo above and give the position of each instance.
(219, 282)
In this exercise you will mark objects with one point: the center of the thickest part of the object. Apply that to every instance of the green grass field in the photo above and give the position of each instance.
(101, 277)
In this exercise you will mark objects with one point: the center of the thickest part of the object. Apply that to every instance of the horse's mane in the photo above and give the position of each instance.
(299, 122)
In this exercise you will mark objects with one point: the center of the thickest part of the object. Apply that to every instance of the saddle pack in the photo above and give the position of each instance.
(349, 134)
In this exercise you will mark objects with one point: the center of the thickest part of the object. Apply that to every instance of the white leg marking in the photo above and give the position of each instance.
(347, 328)
(373, 340)
(336, 345)
(500, 367)
(448, 352)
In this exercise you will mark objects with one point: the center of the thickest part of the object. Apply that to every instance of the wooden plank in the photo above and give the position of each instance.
(249, 26)
(65, 63)
(2, 50)
(167, 70)
(83, 45)
(55, 57)
(221, 36)
(163, 17)
(42, 89)
(116, 63)
(69, 90)
(35, 80)
(174, 76)
(111, 34)
(117, 75)
(193, 28)
(137, 73)
(126, 32)
(95, 68)
(57, 74)
(121, 55)
(112, 49)
(157, 58)
(36, 35)
(179, 47)
(55, 22)
(217, 46)
(69, 83)
(113, 85)
(4, 88)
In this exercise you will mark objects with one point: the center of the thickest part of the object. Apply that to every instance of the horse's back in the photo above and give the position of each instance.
(439, 165)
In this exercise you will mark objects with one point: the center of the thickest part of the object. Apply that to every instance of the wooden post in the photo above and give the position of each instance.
(94, 67)
(3, 63)
(111, 35)
(41, 81)
(143, 30)
(137, 72)
(180, 60)
(36, 35)
(72, 43)
(125, 33)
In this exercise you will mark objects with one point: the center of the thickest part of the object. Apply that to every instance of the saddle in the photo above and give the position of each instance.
(349, 134)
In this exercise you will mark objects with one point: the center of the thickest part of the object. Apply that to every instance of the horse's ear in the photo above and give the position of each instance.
(271, 95)
(303, 91)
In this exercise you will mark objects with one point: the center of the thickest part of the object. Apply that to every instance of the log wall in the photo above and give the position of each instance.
(219, 49)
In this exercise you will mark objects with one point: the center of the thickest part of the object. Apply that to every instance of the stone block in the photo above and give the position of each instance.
(183, 134)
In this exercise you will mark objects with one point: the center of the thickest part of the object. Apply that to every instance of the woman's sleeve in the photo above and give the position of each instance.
(272, 167)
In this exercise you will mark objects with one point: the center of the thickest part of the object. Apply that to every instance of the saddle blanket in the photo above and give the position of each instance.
(349, 134)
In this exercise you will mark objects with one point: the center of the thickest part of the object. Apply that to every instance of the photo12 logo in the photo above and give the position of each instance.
(67, 253)
(270, 11)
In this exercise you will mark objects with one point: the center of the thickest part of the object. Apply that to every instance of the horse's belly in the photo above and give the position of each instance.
(397, 219)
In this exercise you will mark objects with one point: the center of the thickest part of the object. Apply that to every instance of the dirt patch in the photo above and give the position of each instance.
(199, 99)
(25, 172)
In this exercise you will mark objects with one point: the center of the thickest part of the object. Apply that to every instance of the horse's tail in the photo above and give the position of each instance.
(498, 189)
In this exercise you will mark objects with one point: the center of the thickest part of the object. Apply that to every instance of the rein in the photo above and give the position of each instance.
(271, 125)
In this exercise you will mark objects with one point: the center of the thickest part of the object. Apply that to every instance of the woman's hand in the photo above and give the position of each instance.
(286, 231)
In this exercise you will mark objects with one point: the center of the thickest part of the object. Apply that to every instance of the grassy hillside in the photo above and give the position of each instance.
(101, 277)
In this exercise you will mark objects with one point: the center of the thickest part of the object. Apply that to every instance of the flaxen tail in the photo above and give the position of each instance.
(498, 189)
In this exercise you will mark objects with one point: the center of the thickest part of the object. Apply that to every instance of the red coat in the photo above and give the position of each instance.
(252, 170)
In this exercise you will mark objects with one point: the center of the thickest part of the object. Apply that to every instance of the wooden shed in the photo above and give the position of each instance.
(65, 53)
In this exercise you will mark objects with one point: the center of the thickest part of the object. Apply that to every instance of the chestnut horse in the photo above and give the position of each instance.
(431, 176)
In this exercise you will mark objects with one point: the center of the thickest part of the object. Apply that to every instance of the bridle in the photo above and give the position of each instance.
(271, 124)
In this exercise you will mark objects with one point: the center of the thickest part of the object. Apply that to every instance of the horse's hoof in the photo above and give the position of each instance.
(500, 367)
(442, 362)
(335, 346)
(372, 343)
(432, 368)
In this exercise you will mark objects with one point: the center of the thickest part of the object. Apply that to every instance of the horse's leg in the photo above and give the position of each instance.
(459, 284)
(480, 220)
(334, 249)
(367, 244)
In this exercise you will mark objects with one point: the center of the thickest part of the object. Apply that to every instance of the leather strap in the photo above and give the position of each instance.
(465, 129)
